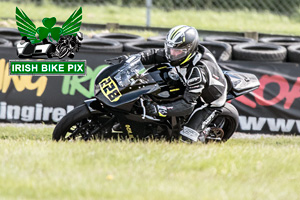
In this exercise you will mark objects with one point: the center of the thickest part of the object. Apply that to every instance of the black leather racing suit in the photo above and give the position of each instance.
(203, 79)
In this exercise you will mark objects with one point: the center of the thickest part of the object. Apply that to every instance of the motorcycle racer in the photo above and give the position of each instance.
(184, 90)
(204, 80)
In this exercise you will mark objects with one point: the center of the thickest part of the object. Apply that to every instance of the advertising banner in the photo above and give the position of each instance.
(273, 108)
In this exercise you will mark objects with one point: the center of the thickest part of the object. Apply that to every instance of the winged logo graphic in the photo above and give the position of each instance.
(35, 35)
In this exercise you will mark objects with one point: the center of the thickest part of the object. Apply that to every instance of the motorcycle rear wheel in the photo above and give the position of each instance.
(81, 124)
(228, 121)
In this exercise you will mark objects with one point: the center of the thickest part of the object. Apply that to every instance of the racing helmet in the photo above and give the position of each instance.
(181, 44)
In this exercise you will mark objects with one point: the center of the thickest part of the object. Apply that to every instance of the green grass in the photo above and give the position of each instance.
(34, 167)
(202, 19)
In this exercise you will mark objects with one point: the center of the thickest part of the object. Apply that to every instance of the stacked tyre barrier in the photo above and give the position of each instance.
(292, 44)
(132, 43)
(267, 49)
(100, 45)
(122, 38)
(5, 43)
(224, 48)
(259, 52)
(8, 37)
(10, 34)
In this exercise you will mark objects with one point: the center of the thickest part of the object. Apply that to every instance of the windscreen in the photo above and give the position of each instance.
(131, 73)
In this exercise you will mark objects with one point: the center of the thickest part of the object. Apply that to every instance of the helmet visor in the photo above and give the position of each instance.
(174, 54)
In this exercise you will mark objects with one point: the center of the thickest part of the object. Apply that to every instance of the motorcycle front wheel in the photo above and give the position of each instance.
(81, 124)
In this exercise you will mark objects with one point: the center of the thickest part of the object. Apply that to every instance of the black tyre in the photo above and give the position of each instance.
(49, 55)
(11, 34)
(5, 43)
(228, 121)
(141, 46)
(161, 38)
(71, 55)
(221, 50)
(232, 40)
(81, 124)
(101, 45)
(294, 53)
(120, 37)
(283, 41)
(259, 52)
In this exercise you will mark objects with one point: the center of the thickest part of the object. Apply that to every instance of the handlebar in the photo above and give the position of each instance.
(144, 116)
(120, 59)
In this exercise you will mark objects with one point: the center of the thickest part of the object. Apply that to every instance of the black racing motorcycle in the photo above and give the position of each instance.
(118, 109)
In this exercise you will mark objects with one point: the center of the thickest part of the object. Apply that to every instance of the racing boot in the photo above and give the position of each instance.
(197, 126)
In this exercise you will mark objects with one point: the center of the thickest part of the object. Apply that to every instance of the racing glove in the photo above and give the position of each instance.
(154, 109)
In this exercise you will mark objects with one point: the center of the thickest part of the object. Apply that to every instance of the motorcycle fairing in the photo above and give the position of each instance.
(110, 89)
(134, 126)
(114, 90)
(240, 83)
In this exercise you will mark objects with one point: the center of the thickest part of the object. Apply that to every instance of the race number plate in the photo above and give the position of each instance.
(110, 89)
